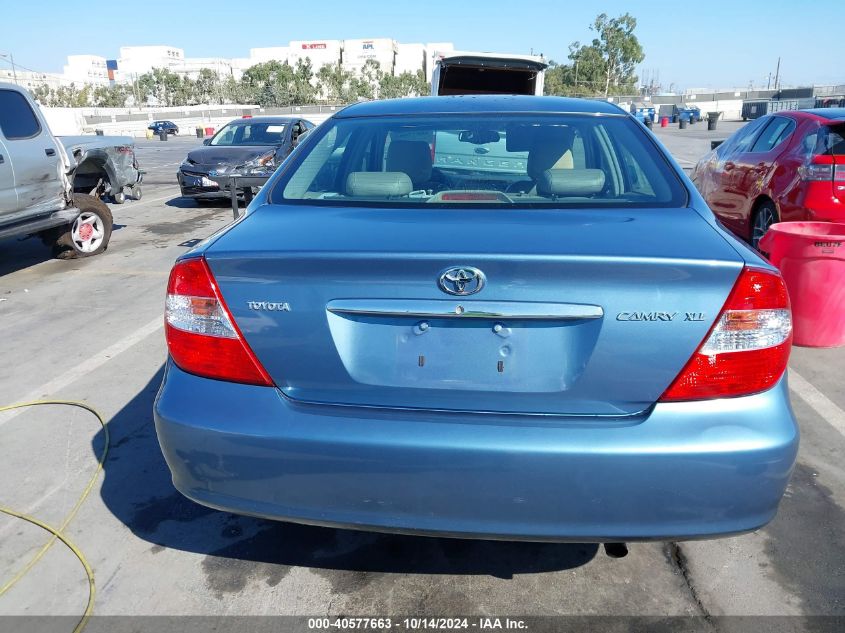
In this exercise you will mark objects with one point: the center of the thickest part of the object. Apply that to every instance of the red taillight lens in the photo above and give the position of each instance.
(747, 349)
(822, 168)
(202, 337)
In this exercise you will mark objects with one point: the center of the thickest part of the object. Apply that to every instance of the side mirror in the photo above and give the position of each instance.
(206, 141)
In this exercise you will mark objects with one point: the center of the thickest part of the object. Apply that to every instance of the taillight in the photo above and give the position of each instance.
(822, 168)
(747, 349)
(202, 337)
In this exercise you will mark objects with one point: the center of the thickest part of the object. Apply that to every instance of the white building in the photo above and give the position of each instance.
(239, 65)
(410, 58)
(133, 61)
(137, 60)
(320, 52)
(86, 69)
(279, 54)
(356, 53)
(30, 80)
(190, 67)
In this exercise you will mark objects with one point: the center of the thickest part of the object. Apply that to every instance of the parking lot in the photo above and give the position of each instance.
(91, 330)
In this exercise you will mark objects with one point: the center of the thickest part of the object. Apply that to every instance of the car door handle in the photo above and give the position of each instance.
(2, 160)
(50, 151)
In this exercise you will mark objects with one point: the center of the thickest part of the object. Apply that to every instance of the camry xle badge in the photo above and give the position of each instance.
(272, 306)
(646, 316)
(461, 280)
(659, 316)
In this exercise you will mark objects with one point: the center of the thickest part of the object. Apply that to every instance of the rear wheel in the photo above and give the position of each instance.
(89, 233)
(765, 215)
(119, 197)
(136, 192)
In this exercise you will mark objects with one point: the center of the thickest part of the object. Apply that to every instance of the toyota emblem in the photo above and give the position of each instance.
(461, 280)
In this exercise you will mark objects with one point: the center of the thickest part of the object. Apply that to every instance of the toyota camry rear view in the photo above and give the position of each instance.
(494, 317)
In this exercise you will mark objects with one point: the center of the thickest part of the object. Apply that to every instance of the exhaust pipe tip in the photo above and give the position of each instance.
(616, 550)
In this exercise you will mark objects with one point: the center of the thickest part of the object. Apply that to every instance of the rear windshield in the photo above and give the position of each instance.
(537, 160)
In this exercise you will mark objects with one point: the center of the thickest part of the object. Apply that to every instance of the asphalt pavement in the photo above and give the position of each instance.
(91, 330)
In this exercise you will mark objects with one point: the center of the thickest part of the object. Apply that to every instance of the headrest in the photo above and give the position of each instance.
(549, 145)
(411, 157)
(570, 182)
(378, 183)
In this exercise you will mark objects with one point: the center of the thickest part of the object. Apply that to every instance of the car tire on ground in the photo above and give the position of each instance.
(89, 234)
(765, 215)
(119, 197)
(136, 192)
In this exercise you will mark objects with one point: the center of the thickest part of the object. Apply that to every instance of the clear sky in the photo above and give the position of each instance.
(699, 43)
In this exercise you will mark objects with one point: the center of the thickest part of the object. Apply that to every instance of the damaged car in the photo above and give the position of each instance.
(248, 150)
(45, 181)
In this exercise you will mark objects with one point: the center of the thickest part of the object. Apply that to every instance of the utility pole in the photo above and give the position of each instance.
(769, 82)
(11, 61)
(777, 75)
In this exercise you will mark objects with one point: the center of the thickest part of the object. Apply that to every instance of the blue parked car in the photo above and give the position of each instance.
(168, 126)
(404, 334)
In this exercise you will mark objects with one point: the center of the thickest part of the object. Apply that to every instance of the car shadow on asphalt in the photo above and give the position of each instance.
(20, 253)
(181, 202)
(137, 489)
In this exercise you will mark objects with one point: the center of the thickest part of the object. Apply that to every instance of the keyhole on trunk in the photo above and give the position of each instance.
(421, 361)
(500, 366)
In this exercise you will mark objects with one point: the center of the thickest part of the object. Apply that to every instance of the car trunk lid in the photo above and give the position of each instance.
(584, 313)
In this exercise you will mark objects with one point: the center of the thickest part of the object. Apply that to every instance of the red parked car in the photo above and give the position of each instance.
(782, 167)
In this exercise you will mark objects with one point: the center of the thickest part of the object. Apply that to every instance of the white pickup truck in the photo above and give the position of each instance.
(462, 72)
(45, 181)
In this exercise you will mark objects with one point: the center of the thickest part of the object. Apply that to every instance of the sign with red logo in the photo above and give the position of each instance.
(313, 46)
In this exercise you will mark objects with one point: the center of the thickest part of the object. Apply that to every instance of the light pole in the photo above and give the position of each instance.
(11, 59)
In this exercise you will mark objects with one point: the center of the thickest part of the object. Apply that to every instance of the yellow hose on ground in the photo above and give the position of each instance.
(58, 533)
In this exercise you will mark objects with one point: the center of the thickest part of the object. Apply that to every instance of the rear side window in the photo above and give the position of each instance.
(775, 133)
(17, 120)
(833, 140)
(746, 135)
(456, 160)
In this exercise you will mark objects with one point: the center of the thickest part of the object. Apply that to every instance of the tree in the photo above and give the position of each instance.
(109, 96)
(603, 67)
(334, 81)
(207, 87)
(43, 95)
(405, 84)
(619, 48)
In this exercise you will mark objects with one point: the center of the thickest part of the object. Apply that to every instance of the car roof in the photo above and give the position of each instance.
(831, 114)
(461, 104)
(821, 115)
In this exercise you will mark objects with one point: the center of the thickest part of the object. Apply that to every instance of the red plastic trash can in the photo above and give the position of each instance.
(664, 122)
(811, 258)
(209, 131)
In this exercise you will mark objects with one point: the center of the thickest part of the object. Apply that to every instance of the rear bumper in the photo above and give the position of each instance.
(684, 470)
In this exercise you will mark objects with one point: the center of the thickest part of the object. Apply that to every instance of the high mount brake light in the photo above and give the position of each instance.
(202, 337)
(747, 349)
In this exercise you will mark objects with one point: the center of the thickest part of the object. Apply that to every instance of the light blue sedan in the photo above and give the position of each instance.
(548, 339)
